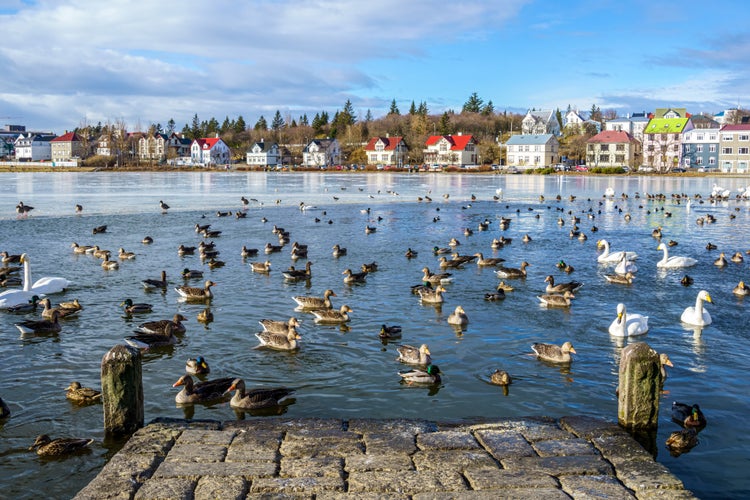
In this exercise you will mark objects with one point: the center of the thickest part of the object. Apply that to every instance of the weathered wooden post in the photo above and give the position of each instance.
(639, 388)
(122, 390)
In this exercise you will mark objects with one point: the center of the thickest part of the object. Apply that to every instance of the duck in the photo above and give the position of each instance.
(248, 252)
(279, 341)
(147, 240)
(205, 316)
(688, 416)
(505, 287)
(370, 229)
(42, 326)
(49, 311)
(47, 447)
(4, 410)
(191, 273)
(293, 274)
(154, 283)
(110, 265)
(28, 307)
(414, 355)
(553, 353)
(185, 250)
(272, 248)
(711, 246)
(332, 316)
(256, 399)
(721, 261)
(428, 376)
(625, 266)
(309, 302)
(199, 228)
(627, 324)
(697, 315)
(620, 279)
(556, 300)
(741, 289)
(511, 272)
(197, 366)
(99, 229)
(435, 278)
(164, 207)
(410, 254)
(163, 326)
(260, 267)
(210, 233)
(498, 294)
(431, 296)
(458, 317)
(82, 395)
(23, 209)
(686, 280)
(390, 332)
(131, 307)
(196, 293)
(680, 442)
(71, 304)
(664, 361)
(526, 238)
(441, 250)
(674, 262)
(80, 248)
(147, 341)
(276, 326)
(369, 267)
(201, 392)
(500, 377)
(570, 286)
(352, 277)
(122, 254)
(737, 258)
(338, 251)
(488, 262)
(607, 257)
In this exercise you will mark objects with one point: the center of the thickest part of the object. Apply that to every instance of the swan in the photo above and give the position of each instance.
(607, 257)
(628, 325)
(696, 315)
(668, 262)
(41, 287)
(625, 266)
(609, 192)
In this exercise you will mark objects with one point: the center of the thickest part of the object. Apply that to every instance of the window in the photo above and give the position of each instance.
(699, 160)
(745, 137)
(726, 137)
(743, 151)
(620, 147)
(712, 137)
(699, 137)
(605, 147)
(677, 137)
(591, 147)
(726, 151)
(619, 158)
(699, 148)
(604, 158)
(711, 161)
(742, 166)
(650, 147)
(712, 148)
(663, 137)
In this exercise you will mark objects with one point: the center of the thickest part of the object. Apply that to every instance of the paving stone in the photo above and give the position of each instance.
(306, 485)
(182, 424)
(107, 487)
(560, 466)
(618, 448)
(640, 475)
(590, 487)
(312, 467)
(361, 496)
(383, 426)
(494, 478)
(515, 424)
(269, 439)
(564, 447)
(457, 460)
(321, 447)
(391, 462)
(200, 436)
(507, 494)
(403, 442)
(225, 488)
(250, 454)
(154, 441)
(315, 434)
(196, 453)
(505, 443)
(590, 427)
(224, 469)
(666, 495)
(447, 440)
(167, 489)
(135, 466)
(405, 482)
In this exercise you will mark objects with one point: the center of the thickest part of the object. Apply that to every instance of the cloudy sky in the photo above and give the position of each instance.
(67, 62)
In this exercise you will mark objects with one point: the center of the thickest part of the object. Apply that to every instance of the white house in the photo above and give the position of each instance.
(540, 122)
(575, 118)
(633, 124)
(262, 154)
(209, 151)
(387, 151)
(321, 153)
(533, 150)
(457, 150)
(33, 147)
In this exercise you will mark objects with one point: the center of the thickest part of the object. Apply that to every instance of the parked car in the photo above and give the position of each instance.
(582, 168)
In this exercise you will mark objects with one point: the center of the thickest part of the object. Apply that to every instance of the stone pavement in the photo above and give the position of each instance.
(531, 458)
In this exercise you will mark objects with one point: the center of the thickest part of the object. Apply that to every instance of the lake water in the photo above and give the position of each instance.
(349, 372)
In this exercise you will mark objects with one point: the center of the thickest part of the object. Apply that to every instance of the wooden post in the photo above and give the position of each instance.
(639, 388)
(122, 390)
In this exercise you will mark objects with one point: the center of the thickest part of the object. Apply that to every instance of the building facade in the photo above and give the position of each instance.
(321, 153)
(387, 151)
(734, 148)
(700, 148)
(263, 154)
(613, 149)
(662, 143)
(33, 147)
(66, 147)
(540, 122)
(532, 151)
(209, 151)
(634, 124)
(444, 150)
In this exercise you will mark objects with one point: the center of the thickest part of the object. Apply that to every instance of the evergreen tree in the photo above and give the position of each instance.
(324, 117)
(212, 127)
(278, 122)
(394, 108)
(240, 125)
(422, 109)
(294, 124)
(261, 125)
(170, 126)
(445, 126)
(412, 109)
(368, 116)
(346, 116)
(558, 115)
(488, 109)
(303, 121)
(226, 125)
(186, 131)
(195, 129)
(473, 105)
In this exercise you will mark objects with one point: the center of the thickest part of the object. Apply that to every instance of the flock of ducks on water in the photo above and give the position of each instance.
(283, 334)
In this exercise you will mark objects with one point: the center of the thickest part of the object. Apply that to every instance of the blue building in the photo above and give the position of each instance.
(700, 148)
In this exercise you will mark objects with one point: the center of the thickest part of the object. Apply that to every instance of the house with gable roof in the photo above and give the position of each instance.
(321, 153)
(263, 154)
(386, 151)
(613, 148)
(633, 124)
(208, 151)
(159, 146)
(532, 150)
(459, 149)
(540, 122)
(662, 142)
(33, 147)
(66, 147)
(575, 118)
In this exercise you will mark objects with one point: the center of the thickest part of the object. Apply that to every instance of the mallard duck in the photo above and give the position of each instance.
(721, 261)
(498, 294)
(686, 280)
(201, 392)
(488, 262)
(741, 289)
(191, 274)
(152, 340)
(370, 267)
(49, 311)
(147, 240)
(332, 316)
(431, 296)
(458, 317)
(672, 243)
(163, 326)
(680, 442)
(656, 233)
(620, 279)
(30, 306)
(71, 304)
(47, 447)
(688, 416)
(390, 332)
(500, 377)
(307, 302)
(351, 277)
(607, 257)
(435, 278)
(256, 399)
(185, 250)
(136, 308)
(410, 254)
(553, 353)
(276, 326)
(628, 325)
(260, 267)
(338, 251)
(99, 229)
(42, 326)
(428, 376)
(674, 262)
(279, 341)
(511, 272)
(122, 254)
(248, 252)
(570, 286)
(414, 355)
(82, 395)
(556, 300)
(197, 366)
(440, 250)
(696, 315)
(81, 248)
(154, 283)
(196, 293)
(293, 274)
(205, 316)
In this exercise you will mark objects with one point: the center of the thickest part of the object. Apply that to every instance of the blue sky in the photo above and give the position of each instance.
(68, 62)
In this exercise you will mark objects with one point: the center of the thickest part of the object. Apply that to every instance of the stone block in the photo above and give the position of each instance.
(152, 440)
(196, 453)
(389, 426)
(452, 460)
(590, 427)
(109, 488)
(361, 496)
(447, 440)
(619, 448)
(195, 470)
(305, 485)
(206, 437)
(321, 447)
(591, 487)
(564, 447)
(398, 442)
(250, 454)
(507, 494)
(494, 478)
(136, 467)
(225, 488)
(391, 462)
(269, 439)
(405, 482)
(560, 466)
(504, 444)
(167, 489)
(312, 467)
(643, 475)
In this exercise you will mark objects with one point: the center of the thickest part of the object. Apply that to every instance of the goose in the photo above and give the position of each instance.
(80, 248)
(556, 300)
(154, 283)
(209, 233)
(197, 366)
(279, 341)
(390, 332)
(628, 325)
(308, 302)
(245, 201)
(332, 316)
(42, 326)
(272, 248)
(435, 278)
(428, 376)
(23, 209)
(164, 207)
(352, 277)
(276, 326)
(131, 307)
(201, 392)
(721, 261)
(260, 267)
(570, 286)
(338, 251)
(553, 353)
(511, 272)
(688, 416)
(122, 254)
(674, 262)
(191, 273)
(47, 447)
(199, 228)
(82, 395)
(370, 229)
(664, 361)
(414, 355)
(697, 315)
(110, 265)
(196, 293)
(607, 257)
(450, 264)
(458, 317)
(49, 311)
(293, 274)
(163, 326)
(500, 377)
(488, 262)
(431, 296)
(147, 341)
(248, 252)
(256, 399)
(741, 289)
(620, 279)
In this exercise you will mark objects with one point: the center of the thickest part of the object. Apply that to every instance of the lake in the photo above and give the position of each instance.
(348, 372)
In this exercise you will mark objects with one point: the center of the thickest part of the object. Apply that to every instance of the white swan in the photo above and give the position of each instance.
(675, 262)
(628, 325)
(625, 266)
(607, 257)
(609, 192)
(43, 286)
(696, 315)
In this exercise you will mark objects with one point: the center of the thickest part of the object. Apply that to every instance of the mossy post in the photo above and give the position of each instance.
(638, 393)
(122, 390)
